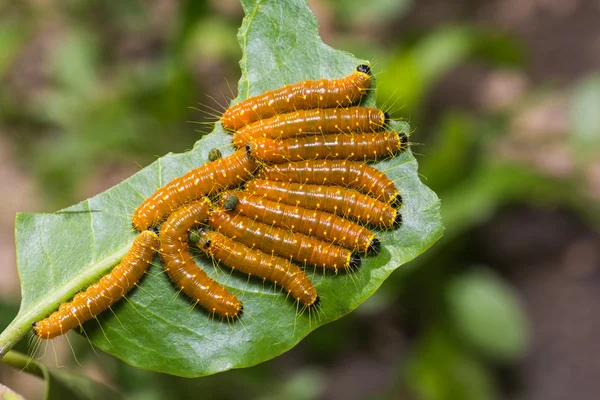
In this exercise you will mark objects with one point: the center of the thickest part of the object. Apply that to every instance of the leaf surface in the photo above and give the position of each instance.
(156, 329)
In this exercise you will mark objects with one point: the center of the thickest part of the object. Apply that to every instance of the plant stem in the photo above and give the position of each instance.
(23, 362)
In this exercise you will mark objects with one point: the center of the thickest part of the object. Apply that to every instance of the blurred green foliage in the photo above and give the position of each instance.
(99, 104)
(585, 118)
(442, 370)
(484, 311)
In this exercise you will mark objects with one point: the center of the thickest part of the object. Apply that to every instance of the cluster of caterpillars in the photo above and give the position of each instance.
(304, 195)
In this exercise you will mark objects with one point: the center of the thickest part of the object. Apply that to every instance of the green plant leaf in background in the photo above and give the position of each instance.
(585, 118)
(62, 385)
(411, 72)
(487, 313)
(59, 254)
(12, 35)
(439, 370)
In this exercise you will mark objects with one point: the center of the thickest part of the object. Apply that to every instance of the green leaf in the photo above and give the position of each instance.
(354, 12)
(451, 154)
(585, 119)
(7, 394)
(61, 385)
(12, 36)
(489, 187)
(156, 329)
(441, 370)
(488, 315)
(66, 385)
(74, 63)
(412, 71)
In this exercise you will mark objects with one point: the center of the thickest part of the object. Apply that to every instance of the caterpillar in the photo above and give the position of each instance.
(254, 262)
(314, 223)
(285, 243)
(205, 180)
(181, 267)
(321, 93)
(336, 200)
(306, 122)
(350, 174)
(353, 146)
(101, 295)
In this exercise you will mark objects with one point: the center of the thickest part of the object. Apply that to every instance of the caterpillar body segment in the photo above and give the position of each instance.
(208, 179)
(285, 243)
(310, 122)
(347, 203)
(314, 223)
(269, 267)
(350, 174)
(352, 146)
(320, 93)
(98, 297)
(181, 267)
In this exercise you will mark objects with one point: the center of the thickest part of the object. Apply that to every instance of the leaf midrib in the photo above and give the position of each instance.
(47, 304)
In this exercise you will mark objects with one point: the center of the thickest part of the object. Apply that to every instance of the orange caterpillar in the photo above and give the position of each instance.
(205, 180)
(307, 122)
(288, 244)
(254, 262)
(321, 93)
(100, 296)
(352, 146)
(337, 200)
(350, 174)
(314, 223)
(181, 267)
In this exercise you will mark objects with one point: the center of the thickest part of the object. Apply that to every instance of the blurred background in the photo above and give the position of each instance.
(504, 100)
